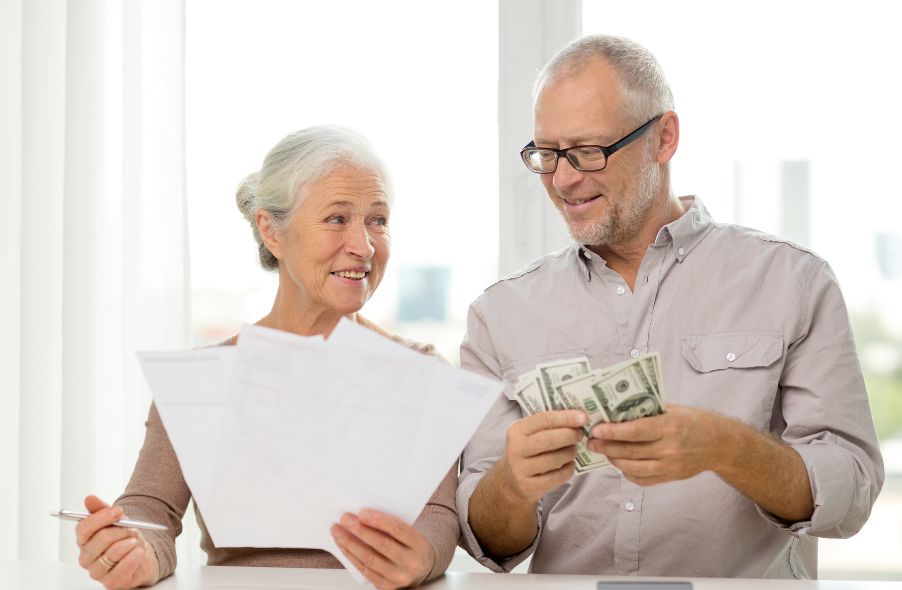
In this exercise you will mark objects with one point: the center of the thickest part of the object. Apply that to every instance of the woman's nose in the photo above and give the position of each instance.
(360, 243)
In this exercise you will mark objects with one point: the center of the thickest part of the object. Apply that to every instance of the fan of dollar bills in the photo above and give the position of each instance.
(626, 391)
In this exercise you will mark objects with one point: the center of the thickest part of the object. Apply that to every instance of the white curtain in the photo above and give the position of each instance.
(93, 248)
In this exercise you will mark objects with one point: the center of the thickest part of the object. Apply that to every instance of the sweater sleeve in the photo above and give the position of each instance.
(439, 524)
(157, 492)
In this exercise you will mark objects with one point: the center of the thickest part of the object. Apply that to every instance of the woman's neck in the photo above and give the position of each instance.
(298, 319)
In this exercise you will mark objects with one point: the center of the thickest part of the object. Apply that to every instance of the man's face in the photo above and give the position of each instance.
(608, 206)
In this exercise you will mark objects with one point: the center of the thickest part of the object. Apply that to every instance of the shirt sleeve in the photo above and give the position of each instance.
(826, 415)
(477, 354)
(157, 492)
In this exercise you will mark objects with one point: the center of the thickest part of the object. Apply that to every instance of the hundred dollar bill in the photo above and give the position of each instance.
(627, 394)
(578, 395)
(552, 374)
(528, 393)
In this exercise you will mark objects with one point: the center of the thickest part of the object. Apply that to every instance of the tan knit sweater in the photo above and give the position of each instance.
(157, 492)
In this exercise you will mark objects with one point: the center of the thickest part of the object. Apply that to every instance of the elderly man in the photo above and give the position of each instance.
(767, 441)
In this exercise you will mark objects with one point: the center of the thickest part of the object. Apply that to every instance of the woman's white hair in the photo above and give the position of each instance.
(298, 161)
(646, 92)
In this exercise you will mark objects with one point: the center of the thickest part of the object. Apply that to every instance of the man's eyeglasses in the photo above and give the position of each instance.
(585, 158)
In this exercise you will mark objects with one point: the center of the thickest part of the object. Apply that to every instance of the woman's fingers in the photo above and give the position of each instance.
(118, 550)
(392, 526)
(392, 549)
(101, 517)
(372, 564)
(377, 579)
(100, 542)
(386, 545)
(125, 574)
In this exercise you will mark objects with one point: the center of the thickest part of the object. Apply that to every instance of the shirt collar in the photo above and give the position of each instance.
(689, 230)
(685, 233)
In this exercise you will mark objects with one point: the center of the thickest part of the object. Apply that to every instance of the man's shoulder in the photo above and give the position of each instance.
(536, 270)
(764, 241)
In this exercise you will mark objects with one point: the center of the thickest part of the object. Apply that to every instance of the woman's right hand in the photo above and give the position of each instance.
(117, 557)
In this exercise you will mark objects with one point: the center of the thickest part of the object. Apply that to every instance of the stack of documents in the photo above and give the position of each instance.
(280, 435)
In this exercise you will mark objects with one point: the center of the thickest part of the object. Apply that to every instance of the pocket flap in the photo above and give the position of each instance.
(741, 350)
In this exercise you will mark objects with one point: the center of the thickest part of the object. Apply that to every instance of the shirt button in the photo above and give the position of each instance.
(620, 290)
(681, 251)
(731, 357)
(629, 506)
(634, 353)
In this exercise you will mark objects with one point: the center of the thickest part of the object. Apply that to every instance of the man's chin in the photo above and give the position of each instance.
(589, 234)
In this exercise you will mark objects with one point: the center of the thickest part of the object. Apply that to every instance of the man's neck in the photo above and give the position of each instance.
(626, 256)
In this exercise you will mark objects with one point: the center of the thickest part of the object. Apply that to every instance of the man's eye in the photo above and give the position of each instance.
(589, 152)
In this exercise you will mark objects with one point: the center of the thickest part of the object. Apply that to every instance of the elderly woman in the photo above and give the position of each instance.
(320, 210)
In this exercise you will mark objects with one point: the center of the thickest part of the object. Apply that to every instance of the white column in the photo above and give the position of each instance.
(43, 129)
(83, 197)
(10, 204)
(530, 33)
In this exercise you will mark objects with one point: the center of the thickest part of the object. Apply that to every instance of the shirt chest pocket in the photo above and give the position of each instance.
(733, 373)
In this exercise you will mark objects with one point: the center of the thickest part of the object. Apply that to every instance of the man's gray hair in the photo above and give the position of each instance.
(290, 168)
(646, 92)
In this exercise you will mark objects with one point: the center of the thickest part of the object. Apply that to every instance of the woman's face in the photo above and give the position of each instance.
(333, 253)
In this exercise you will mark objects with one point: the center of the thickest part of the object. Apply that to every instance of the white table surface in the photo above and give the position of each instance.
(23, 575)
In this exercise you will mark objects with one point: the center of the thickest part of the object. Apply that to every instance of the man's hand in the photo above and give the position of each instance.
(540, 452)
(675, 445)
(686, 441)
(538, 458)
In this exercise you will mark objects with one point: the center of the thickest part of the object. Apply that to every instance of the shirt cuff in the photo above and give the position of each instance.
(831, 492)
(468, 540)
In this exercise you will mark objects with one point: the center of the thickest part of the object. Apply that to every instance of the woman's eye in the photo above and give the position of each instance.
(335, 219)
(380, 221)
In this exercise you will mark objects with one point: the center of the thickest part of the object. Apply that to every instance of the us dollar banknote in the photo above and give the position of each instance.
(625, 391)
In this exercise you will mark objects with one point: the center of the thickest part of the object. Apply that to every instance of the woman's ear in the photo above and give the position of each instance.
(268, 233)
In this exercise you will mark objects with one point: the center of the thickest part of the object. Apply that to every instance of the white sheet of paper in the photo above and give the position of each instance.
(188, 391)
(303, 430)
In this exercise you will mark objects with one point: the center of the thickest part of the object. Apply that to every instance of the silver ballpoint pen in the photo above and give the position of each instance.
(123, 522)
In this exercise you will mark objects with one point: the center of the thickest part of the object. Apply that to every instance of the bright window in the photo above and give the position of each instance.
(789, 124)
(415, 78)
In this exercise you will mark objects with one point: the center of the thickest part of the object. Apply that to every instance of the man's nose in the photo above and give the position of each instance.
(566, 175)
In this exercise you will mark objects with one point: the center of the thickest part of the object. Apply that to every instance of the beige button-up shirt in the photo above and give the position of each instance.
(747, 325)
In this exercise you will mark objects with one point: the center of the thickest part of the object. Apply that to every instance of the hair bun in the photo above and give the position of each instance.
(246, 196)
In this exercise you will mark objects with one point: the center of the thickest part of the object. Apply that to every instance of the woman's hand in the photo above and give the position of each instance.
(388, 552)
(117, 557)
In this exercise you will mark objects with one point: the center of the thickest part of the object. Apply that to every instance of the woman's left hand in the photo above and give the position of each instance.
(388, 552)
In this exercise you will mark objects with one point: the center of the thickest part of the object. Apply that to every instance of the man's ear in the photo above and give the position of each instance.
(268, 233)
(669, 137)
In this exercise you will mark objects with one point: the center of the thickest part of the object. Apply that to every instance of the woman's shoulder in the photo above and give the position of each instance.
(421, 347)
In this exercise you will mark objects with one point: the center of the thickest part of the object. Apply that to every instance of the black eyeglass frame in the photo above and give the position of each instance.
(607, 150)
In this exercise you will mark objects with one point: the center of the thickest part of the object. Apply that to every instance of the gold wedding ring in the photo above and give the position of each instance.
(105, 561)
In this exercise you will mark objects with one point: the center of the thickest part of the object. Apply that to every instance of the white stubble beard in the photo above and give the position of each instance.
(625, 217)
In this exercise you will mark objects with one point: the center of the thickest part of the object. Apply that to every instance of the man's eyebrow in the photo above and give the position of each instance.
(574, 141)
